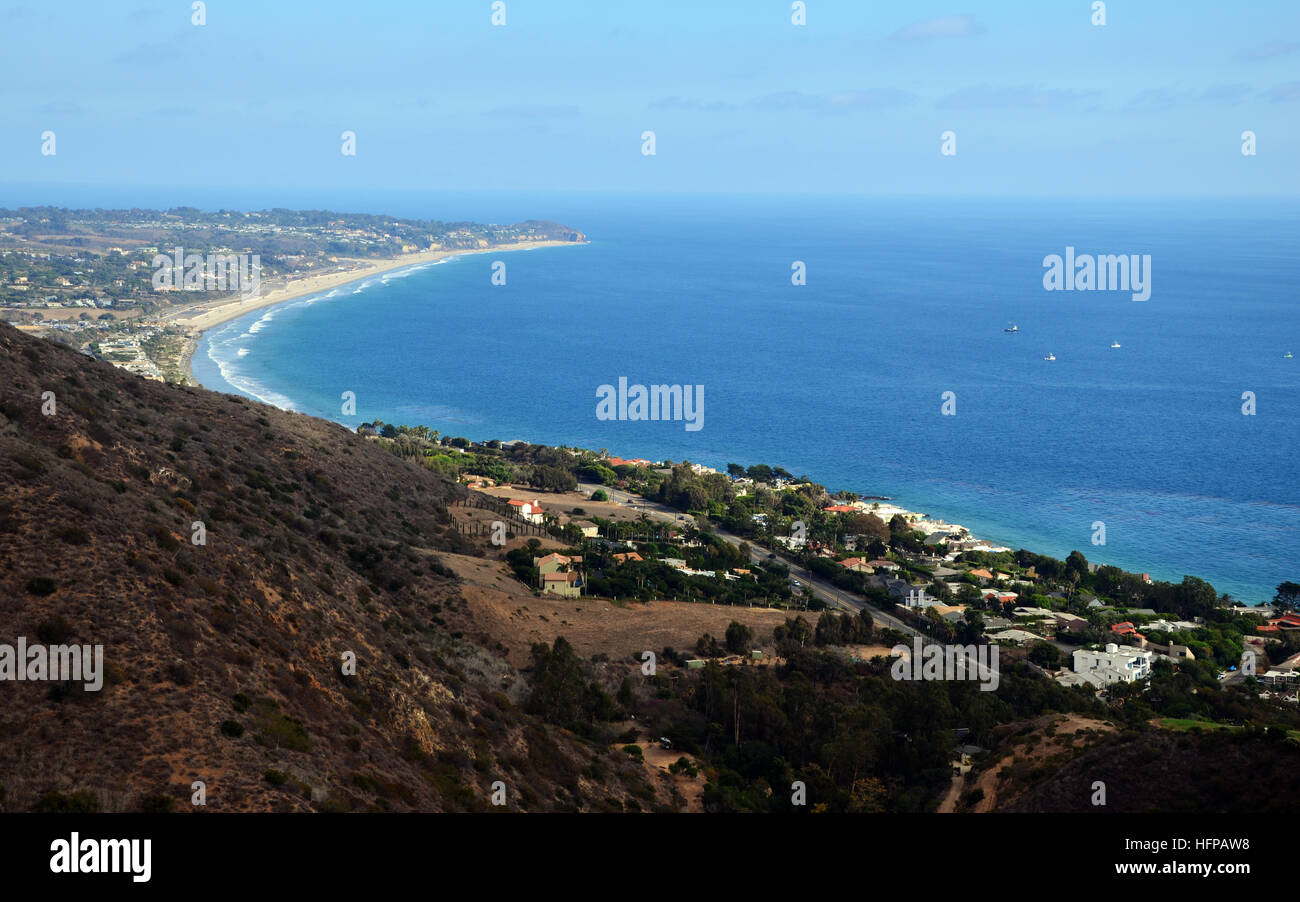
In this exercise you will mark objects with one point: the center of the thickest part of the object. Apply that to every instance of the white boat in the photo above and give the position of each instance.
(1114, 344)
(1012, 328)
(1050, 357)
(1287, 356)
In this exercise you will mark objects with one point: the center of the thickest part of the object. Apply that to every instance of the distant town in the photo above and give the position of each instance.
(86, 277)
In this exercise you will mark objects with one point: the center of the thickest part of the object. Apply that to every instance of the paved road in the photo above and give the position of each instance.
(832, 596)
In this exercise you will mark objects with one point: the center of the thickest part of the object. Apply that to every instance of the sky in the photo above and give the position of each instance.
(1042, 102)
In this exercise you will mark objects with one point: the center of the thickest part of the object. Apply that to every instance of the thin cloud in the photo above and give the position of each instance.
(1012, 97)
(941, 27)
(835, 102)
(686, 104)
(533, 111)
(1270, 50)
(1287, 92)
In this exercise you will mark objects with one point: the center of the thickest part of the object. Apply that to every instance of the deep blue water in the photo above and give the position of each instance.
(841, 379)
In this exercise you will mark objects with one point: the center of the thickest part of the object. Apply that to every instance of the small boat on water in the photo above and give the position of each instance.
(1287, 356)
(1050, 357)
(1114, 344)
(1012, 328)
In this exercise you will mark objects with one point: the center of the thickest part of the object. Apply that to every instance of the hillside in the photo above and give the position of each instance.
(223, 659)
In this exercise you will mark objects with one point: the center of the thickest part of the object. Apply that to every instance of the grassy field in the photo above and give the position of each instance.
(1183, 724)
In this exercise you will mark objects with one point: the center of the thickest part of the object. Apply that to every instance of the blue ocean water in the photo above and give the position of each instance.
(841, 379)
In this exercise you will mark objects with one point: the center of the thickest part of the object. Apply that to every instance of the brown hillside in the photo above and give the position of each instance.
(223, 659)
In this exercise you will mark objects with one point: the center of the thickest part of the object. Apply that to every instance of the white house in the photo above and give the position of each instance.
(530, 511)
(1117, 664)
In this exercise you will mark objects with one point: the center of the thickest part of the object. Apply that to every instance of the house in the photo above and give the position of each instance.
(1181, 653)
(1125, 629)
(856, 564)
(1285, 623)
(1115, 664)
(1071, 623)
(839, 509)
(1015, 637)
(556, 563)
(882, 564)
(589, 530)
(952, 613)
(628, 556)
(1171, 626)
(568, 584)
(981, 574)
(529, 511)
(1004, 597)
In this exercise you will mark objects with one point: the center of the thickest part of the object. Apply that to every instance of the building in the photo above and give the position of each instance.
(1015, 637)
(556, 563)
(1114, 664)
(856, 564)
(628, 556)
(529, 511)
(589, 530)
(1070, 623)
(1125, 629)
(1285, 623)
(568, 584)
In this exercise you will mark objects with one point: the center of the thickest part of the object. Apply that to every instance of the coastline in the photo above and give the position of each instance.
(198, 318)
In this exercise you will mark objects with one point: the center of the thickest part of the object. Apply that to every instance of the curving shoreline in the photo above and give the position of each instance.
(198, 318)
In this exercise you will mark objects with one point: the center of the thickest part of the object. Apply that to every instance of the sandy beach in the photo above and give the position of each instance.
(202, 316)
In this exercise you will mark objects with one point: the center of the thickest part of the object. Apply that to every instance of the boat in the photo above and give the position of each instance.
(1114, 344)
(1287, 356)
(1012, 328)
(1050, 357)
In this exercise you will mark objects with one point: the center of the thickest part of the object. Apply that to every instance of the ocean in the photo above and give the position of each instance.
(843, 378)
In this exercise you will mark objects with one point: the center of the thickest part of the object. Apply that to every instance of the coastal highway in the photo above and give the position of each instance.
(833, 597)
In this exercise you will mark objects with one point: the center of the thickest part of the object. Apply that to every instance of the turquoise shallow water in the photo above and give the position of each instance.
(842, 378)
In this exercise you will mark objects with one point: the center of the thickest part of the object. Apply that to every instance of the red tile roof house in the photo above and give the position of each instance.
(856, 564)
(528, 510)
(840, 509)
(1285, 622)
(1126, 628)
(981, 574)
(628, 556)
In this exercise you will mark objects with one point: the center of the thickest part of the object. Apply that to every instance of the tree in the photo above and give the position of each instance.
(1288, 595)
(1046, 655)
(739, 637)
(599, 495)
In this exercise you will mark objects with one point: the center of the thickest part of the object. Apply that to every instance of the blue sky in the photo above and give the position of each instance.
(1043, 103)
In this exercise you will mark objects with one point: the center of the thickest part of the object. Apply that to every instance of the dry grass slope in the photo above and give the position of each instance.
(223, 659)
